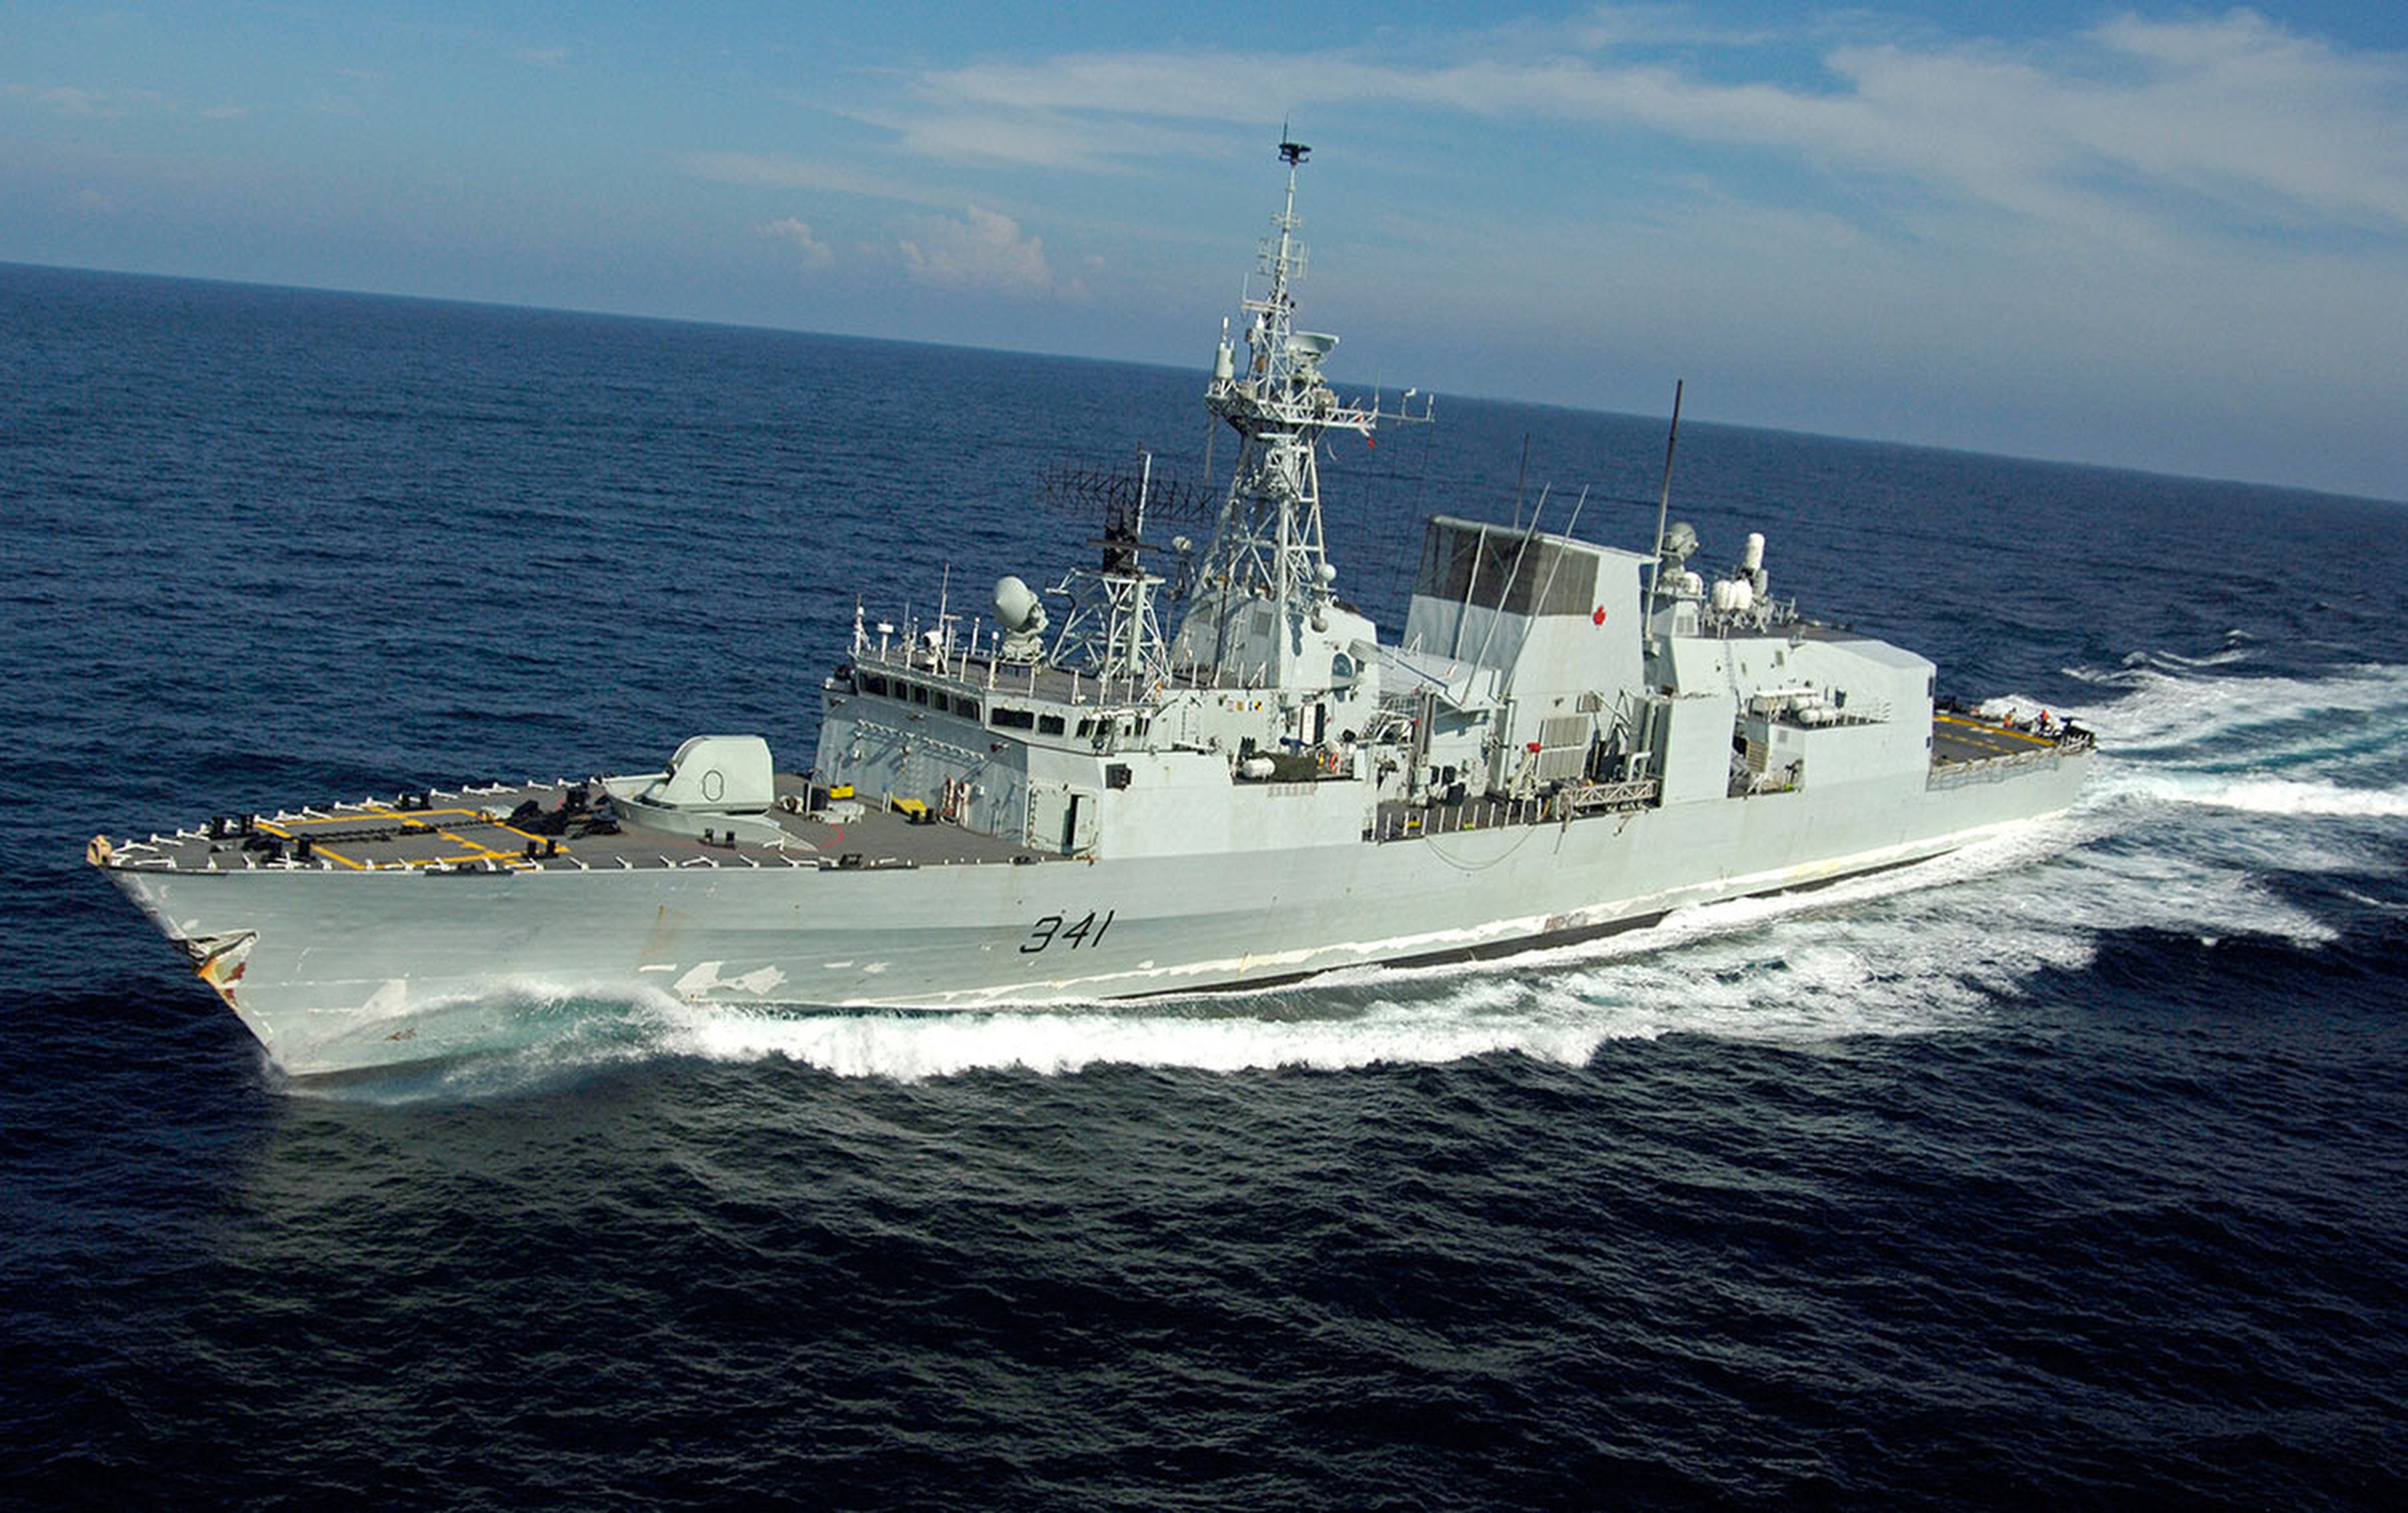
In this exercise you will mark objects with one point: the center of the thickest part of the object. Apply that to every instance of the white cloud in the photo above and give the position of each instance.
(1041, 138)
(1623, 25)
(770, 171)
(69, 101)
(1854, 223)
(798, 234)
(1051, 141)
(554, 59)
(2230, 123)
(983, 251)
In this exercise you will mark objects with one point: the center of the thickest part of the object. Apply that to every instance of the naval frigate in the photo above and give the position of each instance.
(1565, 739)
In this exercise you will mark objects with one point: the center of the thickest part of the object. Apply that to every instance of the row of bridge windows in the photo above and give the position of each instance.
(1002, 716)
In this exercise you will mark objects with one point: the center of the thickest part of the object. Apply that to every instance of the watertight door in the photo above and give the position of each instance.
(1082, 820)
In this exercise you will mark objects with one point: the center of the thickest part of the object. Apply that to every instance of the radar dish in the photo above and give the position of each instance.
(1015, 605)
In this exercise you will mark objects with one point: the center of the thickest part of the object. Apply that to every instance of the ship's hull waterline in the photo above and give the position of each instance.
(339, 971)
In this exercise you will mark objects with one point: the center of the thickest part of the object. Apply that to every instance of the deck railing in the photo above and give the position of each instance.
(1404, 822)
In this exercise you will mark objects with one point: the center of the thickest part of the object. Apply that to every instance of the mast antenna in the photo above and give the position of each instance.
(1521, 477)
(1664, 502)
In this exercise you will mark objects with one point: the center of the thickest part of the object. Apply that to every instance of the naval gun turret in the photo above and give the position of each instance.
(714, 786)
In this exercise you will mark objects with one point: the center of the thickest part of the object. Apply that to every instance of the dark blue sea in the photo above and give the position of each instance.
(2071, 1172)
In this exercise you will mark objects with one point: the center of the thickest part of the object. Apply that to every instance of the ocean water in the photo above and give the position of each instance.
(2068, 1172)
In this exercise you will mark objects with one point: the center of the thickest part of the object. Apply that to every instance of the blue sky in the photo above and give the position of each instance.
(2172, 238)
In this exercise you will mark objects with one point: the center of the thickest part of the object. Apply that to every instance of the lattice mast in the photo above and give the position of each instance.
(1267, 544)
(1112, 630)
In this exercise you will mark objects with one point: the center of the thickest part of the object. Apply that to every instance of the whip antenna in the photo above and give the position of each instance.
(1664, 501)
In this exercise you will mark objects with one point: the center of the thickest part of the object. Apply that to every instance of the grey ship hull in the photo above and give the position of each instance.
(344, 970)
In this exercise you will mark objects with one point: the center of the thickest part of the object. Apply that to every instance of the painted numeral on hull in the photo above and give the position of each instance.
(1056, 929)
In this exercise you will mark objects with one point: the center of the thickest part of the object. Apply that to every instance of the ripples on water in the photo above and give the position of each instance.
(2064, 1171)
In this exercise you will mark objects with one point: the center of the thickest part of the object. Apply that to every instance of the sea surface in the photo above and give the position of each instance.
(2067, 1173)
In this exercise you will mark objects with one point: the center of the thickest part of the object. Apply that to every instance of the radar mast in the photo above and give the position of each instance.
(1267, 550)
(1112, 630)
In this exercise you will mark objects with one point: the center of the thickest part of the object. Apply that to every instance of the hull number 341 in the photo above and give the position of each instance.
(1058, 929)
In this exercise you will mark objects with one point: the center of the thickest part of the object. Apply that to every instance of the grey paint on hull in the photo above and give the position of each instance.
(351, 970)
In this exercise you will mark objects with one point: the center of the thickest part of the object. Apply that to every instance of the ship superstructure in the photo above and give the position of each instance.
(1563, 739)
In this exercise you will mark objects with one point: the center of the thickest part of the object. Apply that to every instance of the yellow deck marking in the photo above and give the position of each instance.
(1994, 730)
(412, 820)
